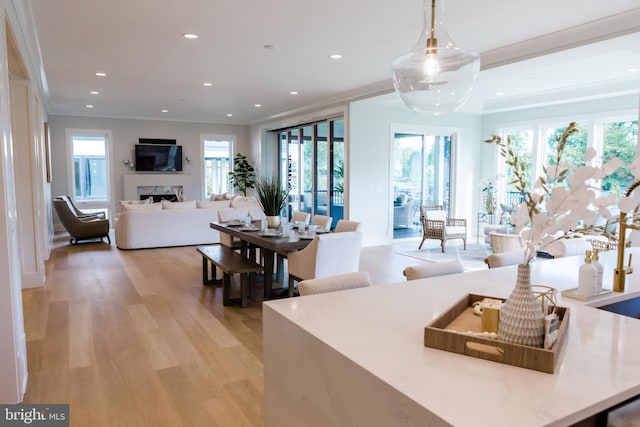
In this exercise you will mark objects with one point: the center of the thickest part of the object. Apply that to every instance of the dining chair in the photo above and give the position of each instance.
(504, 258)
(301, 216)
(433, 269)
(256, 213)
(345, 225)
(340, 282)
(327, 255)
(225, 215)
(323, 221)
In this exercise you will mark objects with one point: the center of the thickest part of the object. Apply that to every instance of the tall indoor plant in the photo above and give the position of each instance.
(243, 175)
(272, 196)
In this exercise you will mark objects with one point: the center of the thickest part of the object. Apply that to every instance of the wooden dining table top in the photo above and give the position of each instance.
(280, 244)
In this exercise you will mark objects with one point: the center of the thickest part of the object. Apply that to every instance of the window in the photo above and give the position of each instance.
(537, 144)
(312, 165)
(89, 183)
(217, 163)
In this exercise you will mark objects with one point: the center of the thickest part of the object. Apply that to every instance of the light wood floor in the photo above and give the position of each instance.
(132, 338)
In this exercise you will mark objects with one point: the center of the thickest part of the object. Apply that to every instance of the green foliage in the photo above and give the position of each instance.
(243, 175)
(271, 195)
(619, 140)
(519, 168)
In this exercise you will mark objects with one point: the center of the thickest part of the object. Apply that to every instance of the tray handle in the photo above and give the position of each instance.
(485, 351)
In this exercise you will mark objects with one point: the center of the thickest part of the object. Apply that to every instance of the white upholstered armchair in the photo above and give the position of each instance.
(328, 255)
(436, 225)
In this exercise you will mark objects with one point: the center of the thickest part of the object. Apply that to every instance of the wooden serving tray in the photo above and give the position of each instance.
(446, 333)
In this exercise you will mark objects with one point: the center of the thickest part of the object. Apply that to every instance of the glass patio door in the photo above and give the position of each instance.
(312, 163)
(421, 176)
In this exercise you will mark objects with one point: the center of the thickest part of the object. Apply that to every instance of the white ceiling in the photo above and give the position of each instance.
(563, 50)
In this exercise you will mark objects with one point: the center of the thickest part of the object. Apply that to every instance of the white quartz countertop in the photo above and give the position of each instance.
(380, 329)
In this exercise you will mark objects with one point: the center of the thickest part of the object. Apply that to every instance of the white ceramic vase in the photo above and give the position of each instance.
(273, 221)
(521, 317)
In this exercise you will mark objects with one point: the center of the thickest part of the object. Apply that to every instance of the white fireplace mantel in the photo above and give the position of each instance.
(133, 181)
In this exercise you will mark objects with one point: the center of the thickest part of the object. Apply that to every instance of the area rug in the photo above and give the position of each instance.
(471, 259)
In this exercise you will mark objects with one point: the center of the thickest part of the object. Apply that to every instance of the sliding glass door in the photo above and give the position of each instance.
(421, 176)
(312, 164)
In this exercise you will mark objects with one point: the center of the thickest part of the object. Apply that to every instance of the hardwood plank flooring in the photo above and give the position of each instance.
(132, 338)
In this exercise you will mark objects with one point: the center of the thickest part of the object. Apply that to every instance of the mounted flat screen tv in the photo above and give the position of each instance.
(159, 158)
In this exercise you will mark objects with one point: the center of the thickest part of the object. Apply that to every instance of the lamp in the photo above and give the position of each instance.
(436, 76)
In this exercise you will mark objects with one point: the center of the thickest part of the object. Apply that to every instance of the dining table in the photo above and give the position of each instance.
(270, 243)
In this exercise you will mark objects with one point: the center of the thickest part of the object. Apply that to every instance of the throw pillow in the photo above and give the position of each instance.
(218, 197)
(208, 204)
(141, 207)
(240, 201)
(179, 205)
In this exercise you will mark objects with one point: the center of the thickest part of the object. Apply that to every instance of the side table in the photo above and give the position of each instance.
(483, 218)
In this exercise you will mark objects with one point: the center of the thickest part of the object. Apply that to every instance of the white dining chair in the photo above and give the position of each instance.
(322, 221)
(327, 255)
(346, 225)
(226, 215)
(340, 282)
(433, 269)
(301, 216)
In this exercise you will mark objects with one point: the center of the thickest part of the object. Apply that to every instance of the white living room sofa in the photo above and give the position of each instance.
(166, 224)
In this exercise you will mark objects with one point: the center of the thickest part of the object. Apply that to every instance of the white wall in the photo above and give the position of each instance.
(369, 172)
(125, 133)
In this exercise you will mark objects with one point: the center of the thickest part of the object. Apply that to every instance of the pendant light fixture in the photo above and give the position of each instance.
(436, 76)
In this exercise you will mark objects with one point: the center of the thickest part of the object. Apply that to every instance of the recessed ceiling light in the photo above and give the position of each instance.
(257, 105)
(634, 69)
(94, 92)
(499, 93)
(293, 92)
(101, 74)
(229, 115)
(336, 56)
(189, 36)
(164, 111)
(89, 106)
(269, 46)
(207, 84)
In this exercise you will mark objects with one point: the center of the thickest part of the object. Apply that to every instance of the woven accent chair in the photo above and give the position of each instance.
(436, 225)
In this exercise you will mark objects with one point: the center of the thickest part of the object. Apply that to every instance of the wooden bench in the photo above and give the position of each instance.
(229, 262)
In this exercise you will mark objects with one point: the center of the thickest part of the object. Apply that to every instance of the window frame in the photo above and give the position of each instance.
(218, 137)
(106, 203)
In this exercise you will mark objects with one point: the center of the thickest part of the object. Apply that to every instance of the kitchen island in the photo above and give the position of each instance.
(357, 357)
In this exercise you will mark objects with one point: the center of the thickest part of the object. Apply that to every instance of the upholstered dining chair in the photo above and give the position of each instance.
(436, 225)
(345, 225)
(323, 221)
(80, 228)
(327, 255)
(504, 258)
(301, 216)
(340, 282)
(433, 269)
(225, 215)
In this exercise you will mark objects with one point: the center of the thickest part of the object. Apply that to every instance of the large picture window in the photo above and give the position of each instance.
(537, 144)
(217, 163)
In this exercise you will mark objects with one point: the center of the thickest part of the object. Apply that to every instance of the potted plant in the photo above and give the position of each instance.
(242, 177)
(272, 196)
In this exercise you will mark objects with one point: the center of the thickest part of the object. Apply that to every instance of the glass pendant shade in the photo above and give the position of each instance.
(436, 76)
